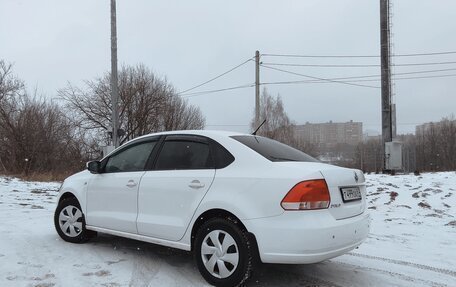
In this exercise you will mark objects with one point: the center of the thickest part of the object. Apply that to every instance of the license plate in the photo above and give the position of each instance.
(350, 193)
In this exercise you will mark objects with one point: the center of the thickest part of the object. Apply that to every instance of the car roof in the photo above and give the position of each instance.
(208, 133)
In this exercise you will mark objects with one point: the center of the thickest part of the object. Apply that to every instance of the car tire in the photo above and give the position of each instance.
(224, 253)
(69, 221)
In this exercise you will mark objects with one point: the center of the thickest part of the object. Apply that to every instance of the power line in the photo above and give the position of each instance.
(357, 56)
(378, 75)
(425, 71)
(216, 77)
(424, 54)
(351, 80)
(356, 65)
(189, 95)
(396, 74)
(354, 81)
(322, 79)
(322, 65)
(426, 77)
(423, 64)
(319, 56)
(315, 80)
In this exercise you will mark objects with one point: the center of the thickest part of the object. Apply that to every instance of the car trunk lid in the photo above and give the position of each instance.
(339, 181)
(347, 190)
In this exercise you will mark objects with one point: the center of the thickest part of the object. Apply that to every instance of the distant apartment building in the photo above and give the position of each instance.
(371, 135)
(331, 134)
(422, 129)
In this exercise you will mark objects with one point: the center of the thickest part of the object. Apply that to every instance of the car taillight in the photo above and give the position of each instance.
(307, 195)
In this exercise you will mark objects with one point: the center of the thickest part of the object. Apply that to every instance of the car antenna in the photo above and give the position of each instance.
(254, 133)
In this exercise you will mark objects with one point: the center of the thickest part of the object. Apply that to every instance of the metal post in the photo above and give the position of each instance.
(114, 81)
(257, 89)
(387, 135)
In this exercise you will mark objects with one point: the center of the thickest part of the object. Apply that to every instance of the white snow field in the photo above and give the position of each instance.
(412, 243)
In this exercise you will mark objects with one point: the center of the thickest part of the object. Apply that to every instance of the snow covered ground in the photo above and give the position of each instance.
(412, 243)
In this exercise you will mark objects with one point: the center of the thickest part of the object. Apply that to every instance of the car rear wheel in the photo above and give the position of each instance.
(69, 221)
(223, 253)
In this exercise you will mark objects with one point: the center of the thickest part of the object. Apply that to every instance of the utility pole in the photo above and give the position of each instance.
(114, 81)
(257, 89)
(387, 131)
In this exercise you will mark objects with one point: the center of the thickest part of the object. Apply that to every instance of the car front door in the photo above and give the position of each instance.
(170, 193)
(112, 195)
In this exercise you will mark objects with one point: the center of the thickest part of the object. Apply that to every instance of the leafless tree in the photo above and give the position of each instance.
(147, 104)
(11, 91)
(278, 125)
(447, 135)
(10, 85)
(436, 146)
(368, 156)
(36, 136)
(179, 115)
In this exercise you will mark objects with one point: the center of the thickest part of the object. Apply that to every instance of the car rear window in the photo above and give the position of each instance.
(273, 150)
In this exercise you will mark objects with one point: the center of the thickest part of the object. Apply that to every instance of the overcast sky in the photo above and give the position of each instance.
(54, 42)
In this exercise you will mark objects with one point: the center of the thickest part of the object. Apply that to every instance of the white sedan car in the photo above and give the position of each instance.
(233, 199)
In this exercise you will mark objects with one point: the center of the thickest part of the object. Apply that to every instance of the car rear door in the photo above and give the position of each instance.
(112, 195)
(170, 193)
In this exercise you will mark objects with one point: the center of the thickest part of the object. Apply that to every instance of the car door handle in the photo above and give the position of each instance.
(131, 183)
(196, 184)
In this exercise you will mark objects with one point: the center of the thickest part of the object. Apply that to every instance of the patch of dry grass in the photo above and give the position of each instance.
(43, 176)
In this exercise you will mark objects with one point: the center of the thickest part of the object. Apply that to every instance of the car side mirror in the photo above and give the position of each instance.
(94, 166)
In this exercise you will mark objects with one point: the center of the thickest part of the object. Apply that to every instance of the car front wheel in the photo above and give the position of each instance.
(69, 221)
(223, 253)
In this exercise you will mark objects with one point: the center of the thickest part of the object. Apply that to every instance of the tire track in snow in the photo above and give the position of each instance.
(317, 282)
(144, 270)
(394, 274)
(280, 276)
(406, 263)
(301, 280)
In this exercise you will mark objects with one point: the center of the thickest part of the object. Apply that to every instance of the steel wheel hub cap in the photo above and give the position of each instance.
(70, 221)
(220, 254)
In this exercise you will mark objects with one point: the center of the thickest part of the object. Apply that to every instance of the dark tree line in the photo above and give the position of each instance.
(35, 133)
(368, 156)
(433, 148)
(39, 136)
(436, 146)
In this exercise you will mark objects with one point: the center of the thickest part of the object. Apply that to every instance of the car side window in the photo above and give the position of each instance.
(222, 157)
(131, 159)
(184, 154)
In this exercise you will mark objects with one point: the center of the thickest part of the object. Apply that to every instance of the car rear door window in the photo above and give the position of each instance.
(178, 154)
(222, 157)
(132, 158)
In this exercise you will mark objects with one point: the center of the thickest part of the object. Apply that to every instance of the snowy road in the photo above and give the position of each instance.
(412, 243)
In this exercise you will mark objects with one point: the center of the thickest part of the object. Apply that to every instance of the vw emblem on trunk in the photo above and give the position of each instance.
(356, 177)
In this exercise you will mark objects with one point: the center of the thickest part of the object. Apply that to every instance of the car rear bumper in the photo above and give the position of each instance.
(301, 237)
